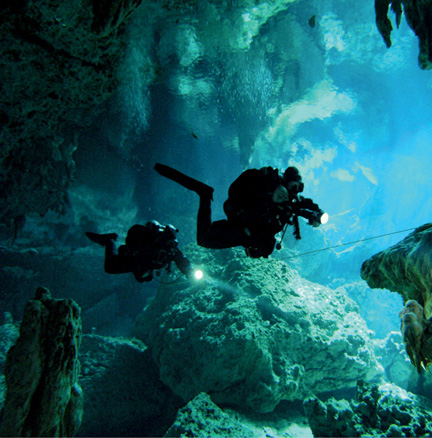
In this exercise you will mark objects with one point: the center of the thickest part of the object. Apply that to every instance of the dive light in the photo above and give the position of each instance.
(324, 218)
(198, 274)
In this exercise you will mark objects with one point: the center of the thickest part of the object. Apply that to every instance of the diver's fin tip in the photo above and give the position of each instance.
(186, 181)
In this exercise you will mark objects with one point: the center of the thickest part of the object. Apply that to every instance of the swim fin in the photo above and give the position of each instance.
(184, 180)
(101, 239)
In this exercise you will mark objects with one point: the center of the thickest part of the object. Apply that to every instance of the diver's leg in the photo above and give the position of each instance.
(184, 180)
(116, 263)
(219, 234)
(101, 239)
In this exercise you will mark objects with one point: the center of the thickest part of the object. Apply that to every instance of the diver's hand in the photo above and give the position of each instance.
(190, 273)
(280, 195)
(315, 221)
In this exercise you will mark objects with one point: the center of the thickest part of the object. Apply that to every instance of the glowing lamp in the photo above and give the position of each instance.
(324, 218)
(198, 274)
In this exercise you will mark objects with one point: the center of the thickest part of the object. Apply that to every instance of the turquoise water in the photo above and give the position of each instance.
(213, 89)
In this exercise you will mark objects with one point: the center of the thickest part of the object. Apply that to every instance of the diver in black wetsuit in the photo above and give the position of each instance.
(261, 202)
(150, 247)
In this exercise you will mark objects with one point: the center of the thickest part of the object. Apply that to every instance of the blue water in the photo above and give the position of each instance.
(213, 91)
(332, 100)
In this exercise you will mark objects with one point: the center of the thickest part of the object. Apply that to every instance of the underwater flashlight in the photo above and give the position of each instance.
(324, 218)
(198, 274)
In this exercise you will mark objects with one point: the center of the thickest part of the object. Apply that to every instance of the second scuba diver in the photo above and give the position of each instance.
(150, 247)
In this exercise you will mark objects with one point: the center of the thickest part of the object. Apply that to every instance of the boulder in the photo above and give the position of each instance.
(43, 396)
(253, 333)
(202, 417)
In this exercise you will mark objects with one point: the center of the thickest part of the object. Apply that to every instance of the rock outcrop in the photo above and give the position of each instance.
(405, 268)
(43, 396)
(253, 333)
(57, 60)
(201, 417)
(419, 18)
(123, 393)
(384, 410)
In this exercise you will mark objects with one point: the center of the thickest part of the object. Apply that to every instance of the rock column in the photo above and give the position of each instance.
(43, 396)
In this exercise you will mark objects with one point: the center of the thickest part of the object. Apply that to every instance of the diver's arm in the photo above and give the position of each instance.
(310, 211)
(182, 263)
(141, 278)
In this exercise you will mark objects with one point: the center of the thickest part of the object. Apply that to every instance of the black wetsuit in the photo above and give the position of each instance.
(147, 249)
(253, 217)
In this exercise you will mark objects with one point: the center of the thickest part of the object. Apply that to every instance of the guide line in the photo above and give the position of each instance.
(346, 244)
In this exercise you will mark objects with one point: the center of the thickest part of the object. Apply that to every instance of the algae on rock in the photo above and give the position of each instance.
(254, 333)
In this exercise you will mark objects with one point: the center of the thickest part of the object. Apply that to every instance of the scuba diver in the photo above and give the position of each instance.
(150, 247)
(260, 204)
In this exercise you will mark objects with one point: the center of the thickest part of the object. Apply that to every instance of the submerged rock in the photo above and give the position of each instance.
(384, 410)
(253, 333)
(43, 396)
(201, 417)
(123, 393)
(417, 15)
(405, 268)
(392, 356)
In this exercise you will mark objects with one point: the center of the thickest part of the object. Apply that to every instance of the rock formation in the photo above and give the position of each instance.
(201, 417)
(405, 268)
(418, 16)
(254, 333)
(384, 410)
(57, 61)
(43, 396)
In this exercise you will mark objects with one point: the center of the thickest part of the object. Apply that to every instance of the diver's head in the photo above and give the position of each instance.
(153, 225)
(170, 231)
(292, 180)
(169, 236)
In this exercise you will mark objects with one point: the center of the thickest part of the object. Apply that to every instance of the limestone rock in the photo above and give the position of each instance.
(123, 393)
(417, 15)
(381, 319)
(384, 410)
(392, 356)
(398, 370)
(254, 333)
(202, 417)
(405, 268)
(54, 67)
(43, 396)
